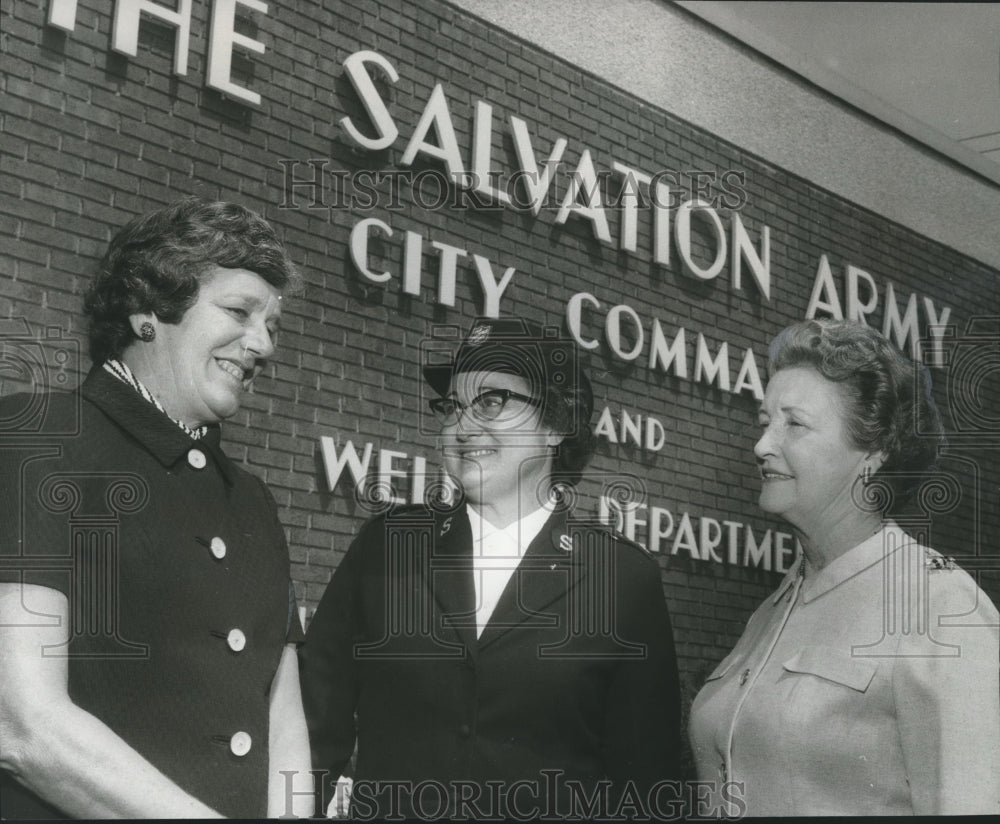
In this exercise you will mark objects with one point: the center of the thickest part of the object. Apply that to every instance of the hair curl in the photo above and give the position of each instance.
(887, 397)
(568, 409)
(155, 263)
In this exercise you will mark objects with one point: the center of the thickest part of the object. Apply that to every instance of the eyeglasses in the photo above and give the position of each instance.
(493, 405)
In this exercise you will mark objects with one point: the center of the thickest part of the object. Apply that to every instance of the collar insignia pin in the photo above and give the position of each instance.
(940, 562)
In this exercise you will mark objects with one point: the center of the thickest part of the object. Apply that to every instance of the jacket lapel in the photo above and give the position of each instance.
(550, 568)
(449, 576)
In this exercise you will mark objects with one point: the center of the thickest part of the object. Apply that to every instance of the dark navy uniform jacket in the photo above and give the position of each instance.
(177, 574)
(574, 678)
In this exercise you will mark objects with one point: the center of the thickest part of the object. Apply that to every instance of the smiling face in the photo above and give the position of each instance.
(200, 367)
(501, 465)
(807, 461)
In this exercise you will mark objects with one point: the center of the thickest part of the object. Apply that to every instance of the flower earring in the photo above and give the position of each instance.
(147, 331)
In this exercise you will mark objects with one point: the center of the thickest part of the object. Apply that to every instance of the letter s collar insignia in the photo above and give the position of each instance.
(445, 526)
(566, 542)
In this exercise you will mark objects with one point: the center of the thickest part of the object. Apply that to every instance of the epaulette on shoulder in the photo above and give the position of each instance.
(624, 541)
(621, 539)
(934, 560)
(408, 511)
(400, 514)
(395, 517)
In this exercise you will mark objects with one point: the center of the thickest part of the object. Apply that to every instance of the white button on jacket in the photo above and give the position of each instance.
(218, 548)
(240, 744)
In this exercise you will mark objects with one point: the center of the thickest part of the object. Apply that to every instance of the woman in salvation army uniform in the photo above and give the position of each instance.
(496, 657)
(867, 684)
(147, 620)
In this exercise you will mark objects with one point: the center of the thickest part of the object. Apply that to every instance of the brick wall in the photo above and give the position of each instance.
(92, 137)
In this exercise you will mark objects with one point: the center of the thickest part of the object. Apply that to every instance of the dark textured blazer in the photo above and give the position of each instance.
(575, 671)
(164, 548)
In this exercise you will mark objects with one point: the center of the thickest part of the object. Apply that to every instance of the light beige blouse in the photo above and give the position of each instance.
(868, 688)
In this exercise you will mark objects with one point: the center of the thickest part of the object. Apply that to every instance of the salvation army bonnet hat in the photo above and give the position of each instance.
(516, 346)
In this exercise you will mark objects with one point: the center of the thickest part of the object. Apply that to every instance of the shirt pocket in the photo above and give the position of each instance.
(833, 665)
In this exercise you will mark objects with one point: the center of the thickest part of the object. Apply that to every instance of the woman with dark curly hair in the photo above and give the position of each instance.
(147, 620)
(868, 683)
(495, 657)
